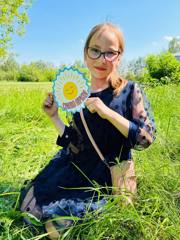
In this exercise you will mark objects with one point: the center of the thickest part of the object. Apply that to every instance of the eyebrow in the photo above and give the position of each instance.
(110, 49)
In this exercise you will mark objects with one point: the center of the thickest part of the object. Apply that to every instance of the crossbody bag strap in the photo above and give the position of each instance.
(90, 136)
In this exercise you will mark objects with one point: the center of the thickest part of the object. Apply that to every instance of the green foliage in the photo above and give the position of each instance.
(163, 68)
(155, 69)
(38, 71)
(28, 143)
(136, 66)
(33, 73)
(9, 69)
(29, 73)
(174, 45)
(13, 17)
(9, 64)
(80, 65)
(8, 76)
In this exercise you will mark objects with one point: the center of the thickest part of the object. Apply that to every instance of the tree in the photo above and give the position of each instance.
(163, 68)
(37, 71)
(136, 66)
(9, 69)
(13, 17)
(9, 64)
(174, 45)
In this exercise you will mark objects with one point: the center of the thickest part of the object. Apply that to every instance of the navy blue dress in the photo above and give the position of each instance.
(77, 165)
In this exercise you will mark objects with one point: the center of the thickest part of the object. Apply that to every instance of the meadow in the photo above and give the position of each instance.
(28, 142)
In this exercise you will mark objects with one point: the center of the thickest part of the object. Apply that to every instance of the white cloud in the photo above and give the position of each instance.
(169, 38)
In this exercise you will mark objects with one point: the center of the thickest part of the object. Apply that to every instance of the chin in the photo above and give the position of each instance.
(99, 75)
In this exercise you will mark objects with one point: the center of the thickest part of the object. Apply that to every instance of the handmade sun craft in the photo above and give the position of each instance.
(70, 89)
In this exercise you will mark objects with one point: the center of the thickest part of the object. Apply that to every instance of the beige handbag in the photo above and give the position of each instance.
(122, 174)
(29, 205)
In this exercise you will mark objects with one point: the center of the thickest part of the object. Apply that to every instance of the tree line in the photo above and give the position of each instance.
(154, 69)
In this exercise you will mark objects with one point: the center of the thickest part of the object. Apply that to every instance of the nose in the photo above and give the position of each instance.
(102, 57)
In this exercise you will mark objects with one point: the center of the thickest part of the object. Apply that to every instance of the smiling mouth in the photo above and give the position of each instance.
(100, 68)
(70, 92)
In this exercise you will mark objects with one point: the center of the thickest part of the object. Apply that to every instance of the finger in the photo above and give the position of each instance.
(91, 100)
(49, 100)
(92, 110)
(47, 105)
(50, 95)
(90, 106)
(88, 102)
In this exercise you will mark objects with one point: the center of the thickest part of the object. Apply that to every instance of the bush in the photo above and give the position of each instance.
(49, 74)
(163, 68)
(8, 76)
(35, 73)
(9, 69)
(28, 74)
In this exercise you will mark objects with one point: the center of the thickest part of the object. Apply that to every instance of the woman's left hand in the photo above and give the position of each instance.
(95, 104)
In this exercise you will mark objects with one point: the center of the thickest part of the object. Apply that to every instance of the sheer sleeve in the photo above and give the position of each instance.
(142, 129)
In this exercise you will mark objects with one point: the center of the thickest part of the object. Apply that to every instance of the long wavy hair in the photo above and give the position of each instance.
(116, 81)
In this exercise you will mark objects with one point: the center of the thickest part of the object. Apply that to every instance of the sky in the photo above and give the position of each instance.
(57, 29)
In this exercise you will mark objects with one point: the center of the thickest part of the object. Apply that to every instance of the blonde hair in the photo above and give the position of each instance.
(116, 81)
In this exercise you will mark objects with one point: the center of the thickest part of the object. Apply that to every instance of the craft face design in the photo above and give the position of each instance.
(70, 90)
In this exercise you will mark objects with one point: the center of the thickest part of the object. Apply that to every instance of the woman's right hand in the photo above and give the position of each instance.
(50, 106)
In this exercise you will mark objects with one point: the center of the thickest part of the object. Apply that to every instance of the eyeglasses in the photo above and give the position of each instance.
(95, 53)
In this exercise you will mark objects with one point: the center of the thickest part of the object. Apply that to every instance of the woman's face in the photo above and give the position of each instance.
(101, 68)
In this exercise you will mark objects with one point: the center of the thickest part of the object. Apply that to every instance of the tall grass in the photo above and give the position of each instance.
(28, 139)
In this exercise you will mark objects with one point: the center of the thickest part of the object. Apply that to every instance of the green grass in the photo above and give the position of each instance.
(27, 143)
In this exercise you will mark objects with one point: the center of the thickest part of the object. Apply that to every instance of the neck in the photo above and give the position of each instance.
(98, 84)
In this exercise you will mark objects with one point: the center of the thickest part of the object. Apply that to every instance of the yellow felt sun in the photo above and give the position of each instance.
(70, 90)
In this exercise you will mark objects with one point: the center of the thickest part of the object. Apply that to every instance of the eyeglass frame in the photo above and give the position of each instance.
(103, 53)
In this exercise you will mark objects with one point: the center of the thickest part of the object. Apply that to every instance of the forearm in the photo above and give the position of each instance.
(121, 123)
(59, 125)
